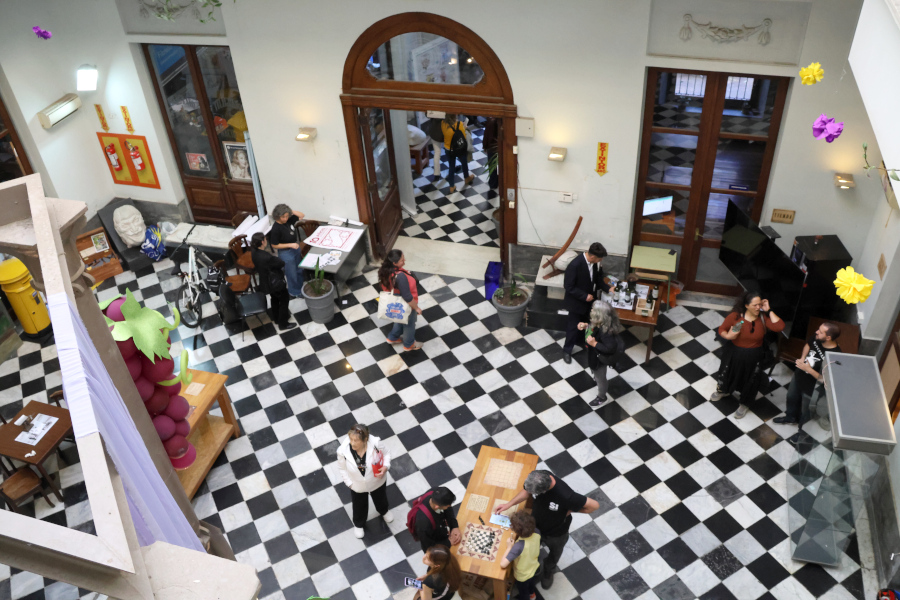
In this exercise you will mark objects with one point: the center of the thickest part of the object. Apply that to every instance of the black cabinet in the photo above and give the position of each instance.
(822, 257)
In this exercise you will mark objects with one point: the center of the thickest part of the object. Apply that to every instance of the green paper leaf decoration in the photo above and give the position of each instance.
(147, 327)
(105, 304)
(893, 176)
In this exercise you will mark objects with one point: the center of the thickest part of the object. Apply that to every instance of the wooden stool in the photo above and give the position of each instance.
(21, 486)
(421, 153)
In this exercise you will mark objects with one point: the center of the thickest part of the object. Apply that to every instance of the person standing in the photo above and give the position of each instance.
(453, 130)
(435, 524)
(270, 269)
(443, 577)
(397, 280)
(604, 344)
(283, 238)
(554, 503)
(491, 145)
(809, 373)
(363, 462)
(584, 276)
(524, 553)
(436, 133)
(745, 327)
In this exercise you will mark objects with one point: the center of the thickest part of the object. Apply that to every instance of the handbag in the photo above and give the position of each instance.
(276, 282)
(470, 147)
(393, 308)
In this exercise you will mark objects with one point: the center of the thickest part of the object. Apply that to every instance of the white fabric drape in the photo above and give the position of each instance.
(96, 406)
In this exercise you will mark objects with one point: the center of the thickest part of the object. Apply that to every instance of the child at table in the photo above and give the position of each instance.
(524, 553)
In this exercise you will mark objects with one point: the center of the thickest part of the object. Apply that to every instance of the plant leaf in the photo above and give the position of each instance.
(147, 327)
(894, 176)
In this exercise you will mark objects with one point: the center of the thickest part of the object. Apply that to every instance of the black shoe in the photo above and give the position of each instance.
(567, 358)
(598, 401)
(286, 326)
(547, 581)
(785, 420)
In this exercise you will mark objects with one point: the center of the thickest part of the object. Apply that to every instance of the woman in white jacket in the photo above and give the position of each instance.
(358, 459)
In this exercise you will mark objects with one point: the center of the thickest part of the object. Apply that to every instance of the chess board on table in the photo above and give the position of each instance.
(503, 473)
(480, 541)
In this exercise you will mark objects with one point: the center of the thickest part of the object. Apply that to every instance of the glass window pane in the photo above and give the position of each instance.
(748, 105)
(182, 107)
(664, 211)
(738, 164)
(711, 270)
(679, 100)
(715, 213)
(424, 58)
(10, 167)
(222, 91)
(380, 152)
(671, 158)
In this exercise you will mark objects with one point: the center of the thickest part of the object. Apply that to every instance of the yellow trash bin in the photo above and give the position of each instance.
(15, 281)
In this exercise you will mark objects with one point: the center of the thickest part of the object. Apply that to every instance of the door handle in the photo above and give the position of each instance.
(696, 233)
(225, 181)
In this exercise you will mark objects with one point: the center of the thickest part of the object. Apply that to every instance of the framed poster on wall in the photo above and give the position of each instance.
(128, 159)
(237, 159)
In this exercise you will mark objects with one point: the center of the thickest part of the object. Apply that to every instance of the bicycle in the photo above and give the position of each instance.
(189, 301)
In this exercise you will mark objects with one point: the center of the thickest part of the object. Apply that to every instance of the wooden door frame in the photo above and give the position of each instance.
(374, 196)
(17, 142)
(490, 97)
(704, 163)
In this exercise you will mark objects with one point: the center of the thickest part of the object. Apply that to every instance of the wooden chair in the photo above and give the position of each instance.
(239, 283)
(21, 486)
(790, 349)
(240, 217)
(308, 228)
(242, 258)
(56, 398)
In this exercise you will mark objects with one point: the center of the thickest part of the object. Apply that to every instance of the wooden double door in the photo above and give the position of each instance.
(382, 191)
(199, 95)
(707, 138)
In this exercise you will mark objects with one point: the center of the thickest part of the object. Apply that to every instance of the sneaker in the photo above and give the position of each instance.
(785, 420)
(390, 341)
(741, 411)
(717, 395)
(598, 401)
(359, 532)
(416, 346)
(388, 517)
(286, 326)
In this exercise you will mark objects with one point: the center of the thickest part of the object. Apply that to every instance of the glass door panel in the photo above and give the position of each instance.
(664, 211)
(749, 104)
(384, 176)
(715, 213)
(738, 164)
(182, 106)
(679, 100)
(672, 158)
(10, 165)
(223, 92)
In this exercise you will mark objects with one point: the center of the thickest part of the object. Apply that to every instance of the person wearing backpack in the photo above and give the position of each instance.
(363, 462)
(271, 280)
(457, 149)
(604, 345)
(431, 521)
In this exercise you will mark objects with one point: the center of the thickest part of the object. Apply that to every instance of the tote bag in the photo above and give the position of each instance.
(393, 308)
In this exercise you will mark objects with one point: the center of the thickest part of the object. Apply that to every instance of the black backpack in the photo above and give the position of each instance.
(458, 143)
(227, 304)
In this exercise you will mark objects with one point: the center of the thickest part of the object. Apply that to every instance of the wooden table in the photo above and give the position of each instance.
(631, 318)
(656, 263)
(474, 566)
(14, 450)
(209, 433)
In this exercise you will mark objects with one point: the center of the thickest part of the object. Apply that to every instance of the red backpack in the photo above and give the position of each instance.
(419, 505)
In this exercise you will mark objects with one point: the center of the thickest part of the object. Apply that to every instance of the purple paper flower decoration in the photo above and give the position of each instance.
(42, 33)
(826, 129)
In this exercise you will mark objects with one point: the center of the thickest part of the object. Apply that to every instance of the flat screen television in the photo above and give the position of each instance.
(759, 264)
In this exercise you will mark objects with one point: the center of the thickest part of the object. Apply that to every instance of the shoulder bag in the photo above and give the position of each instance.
(392, 307)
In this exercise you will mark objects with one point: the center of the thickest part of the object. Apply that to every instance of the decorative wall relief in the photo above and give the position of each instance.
(721, 34)
(168, 10)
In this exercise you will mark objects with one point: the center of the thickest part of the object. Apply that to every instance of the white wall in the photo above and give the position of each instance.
(41, 71)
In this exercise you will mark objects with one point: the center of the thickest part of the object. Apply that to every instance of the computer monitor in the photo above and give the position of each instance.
(655, 206)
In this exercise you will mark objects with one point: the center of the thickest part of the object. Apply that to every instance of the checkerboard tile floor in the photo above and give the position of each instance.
(463, 216)
(693, 504)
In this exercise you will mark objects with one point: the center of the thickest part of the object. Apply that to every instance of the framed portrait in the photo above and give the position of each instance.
(238, 160)
(197, 162)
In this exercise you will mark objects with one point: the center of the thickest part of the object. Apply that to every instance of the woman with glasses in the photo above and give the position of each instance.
(745, 327)
(363, 462)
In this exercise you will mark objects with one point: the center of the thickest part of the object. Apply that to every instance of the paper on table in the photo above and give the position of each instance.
(194, 389)
(245, 225)
(309, 261)
(263, 225)
(40, 425)
(334, 238)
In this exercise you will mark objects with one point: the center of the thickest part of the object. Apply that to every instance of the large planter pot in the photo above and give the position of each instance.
(495, 218)
(321, 308)
(511, 316)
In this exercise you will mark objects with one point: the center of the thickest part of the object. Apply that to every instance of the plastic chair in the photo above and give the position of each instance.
(247, 305)
(20, 487)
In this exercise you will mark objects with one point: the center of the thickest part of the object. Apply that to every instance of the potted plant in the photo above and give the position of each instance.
(319, 295)
(511, 302)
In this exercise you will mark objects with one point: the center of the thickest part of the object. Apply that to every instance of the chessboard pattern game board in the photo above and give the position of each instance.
(508, 512)
(477, 503)
(503, 473)
(480, 541)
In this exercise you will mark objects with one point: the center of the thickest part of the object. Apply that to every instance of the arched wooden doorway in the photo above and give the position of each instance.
(491, 96)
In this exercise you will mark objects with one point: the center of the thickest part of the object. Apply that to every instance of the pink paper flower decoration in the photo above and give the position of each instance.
(42, 33)
(826, 129)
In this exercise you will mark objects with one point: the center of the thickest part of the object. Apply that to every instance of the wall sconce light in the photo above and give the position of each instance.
(307, 134)
(86, 78)
(557, 154)
(844, 181)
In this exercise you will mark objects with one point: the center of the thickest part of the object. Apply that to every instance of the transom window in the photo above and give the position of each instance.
(424, 58)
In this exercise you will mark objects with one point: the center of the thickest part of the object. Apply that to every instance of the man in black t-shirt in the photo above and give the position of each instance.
(809, 373)
(554, 503)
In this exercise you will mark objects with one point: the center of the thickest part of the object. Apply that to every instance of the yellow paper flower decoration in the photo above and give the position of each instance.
(853, 287)
(812, 74)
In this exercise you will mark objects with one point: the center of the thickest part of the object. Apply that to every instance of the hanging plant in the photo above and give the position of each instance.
(892, 173)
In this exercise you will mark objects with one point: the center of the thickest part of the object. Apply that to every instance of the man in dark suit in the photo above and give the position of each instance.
(583, 282)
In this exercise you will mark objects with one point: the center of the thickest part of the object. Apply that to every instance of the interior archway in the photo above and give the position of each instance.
(491, 96)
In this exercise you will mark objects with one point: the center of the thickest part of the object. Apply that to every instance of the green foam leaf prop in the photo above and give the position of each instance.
(147, 327)
(105, 304)
(183, 376)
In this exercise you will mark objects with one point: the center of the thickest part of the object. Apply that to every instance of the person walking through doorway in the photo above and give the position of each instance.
(457, 149)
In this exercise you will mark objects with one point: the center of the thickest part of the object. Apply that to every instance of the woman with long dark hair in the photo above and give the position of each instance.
(745, 327)
(443, 577)
(267, 265)
(603, 344)
(394, 278)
